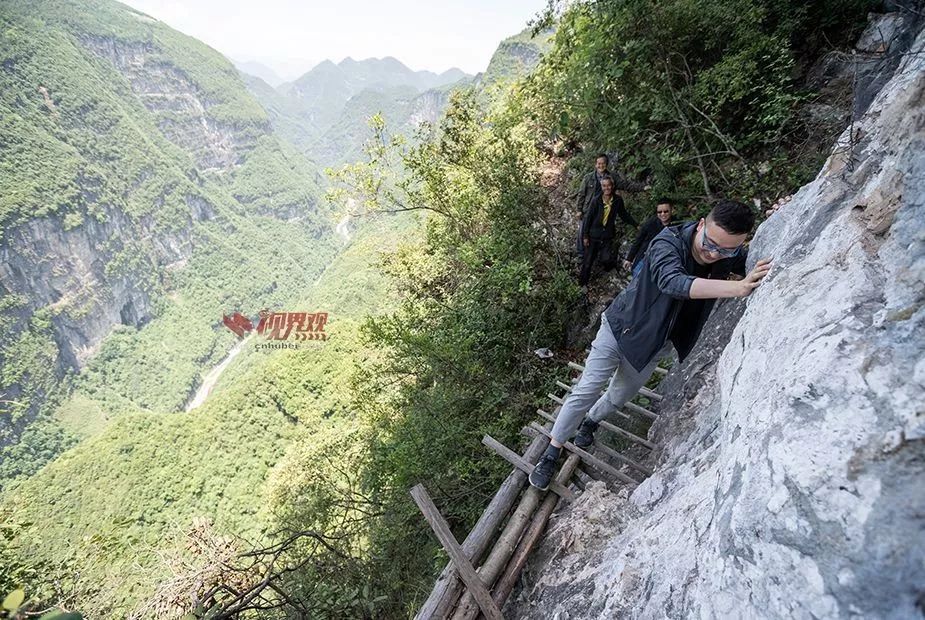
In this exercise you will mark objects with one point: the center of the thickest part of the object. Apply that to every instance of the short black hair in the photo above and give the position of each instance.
(604, 155)
(734, 217)
(664, 201)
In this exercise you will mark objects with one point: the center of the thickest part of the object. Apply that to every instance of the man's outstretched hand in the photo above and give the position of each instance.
(750, 282)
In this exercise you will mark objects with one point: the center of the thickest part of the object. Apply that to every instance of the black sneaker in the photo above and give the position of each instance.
(541, 475)
(585, 435)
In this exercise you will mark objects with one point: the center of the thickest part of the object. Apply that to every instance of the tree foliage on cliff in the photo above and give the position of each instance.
(703, 94)
(481, 288)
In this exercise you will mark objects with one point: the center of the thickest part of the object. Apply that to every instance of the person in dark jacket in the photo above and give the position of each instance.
(686, 269)
(591, 190)
(599, 226)
(647, 232)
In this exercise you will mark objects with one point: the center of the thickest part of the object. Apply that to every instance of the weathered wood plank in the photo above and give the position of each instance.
(448, 587)
(590, 459)
(501, 551)
(473, 582)
(641, 410)
(623, 459)
(530, 537)
(514, 459)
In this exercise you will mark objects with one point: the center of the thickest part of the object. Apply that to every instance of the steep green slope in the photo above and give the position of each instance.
(516, 56)
(142, 194)
(109, 509)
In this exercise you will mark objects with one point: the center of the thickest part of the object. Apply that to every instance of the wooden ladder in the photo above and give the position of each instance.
(462, 592)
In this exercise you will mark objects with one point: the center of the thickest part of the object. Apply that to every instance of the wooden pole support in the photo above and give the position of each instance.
(590, 459)
(514, 459)
(448, 587)
(446, 538)
(516, 564)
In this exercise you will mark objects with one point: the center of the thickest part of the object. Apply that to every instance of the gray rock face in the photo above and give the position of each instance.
(790, 482)
(74, 273)
(167, 91)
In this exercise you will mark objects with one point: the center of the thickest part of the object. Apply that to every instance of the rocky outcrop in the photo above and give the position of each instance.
(789, 482)
(179, 104)
(427, 107)
(84, 276)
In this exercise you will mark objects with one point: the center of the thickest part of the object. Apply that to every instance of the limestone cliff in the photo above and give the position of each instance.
(790, 479)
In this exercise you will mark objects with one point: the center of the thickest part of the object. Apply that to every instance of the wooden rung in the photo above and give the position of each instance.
(631, 406)
(644, 390)
(529, 431)
(607, 426)
(466, 572)
(590, 459)
(623, 459)
(556, 399)
(584, 476)
(625, 433)
(661, 371)
(641, 410)
(514, 459)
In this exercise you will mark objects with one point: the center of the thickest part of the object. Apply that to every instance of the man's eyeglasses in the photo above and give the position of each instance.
(711, 247)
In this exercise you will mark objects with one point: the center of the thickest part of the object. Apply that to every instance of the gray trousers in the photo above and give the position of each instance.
(586, 398)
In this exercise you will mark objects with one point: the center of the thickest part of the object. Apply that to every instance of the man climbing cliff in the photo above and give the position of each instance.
(667, 304)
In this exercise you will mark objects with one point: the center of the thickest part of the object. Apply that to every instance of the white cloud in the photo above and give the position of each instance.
(291, 36)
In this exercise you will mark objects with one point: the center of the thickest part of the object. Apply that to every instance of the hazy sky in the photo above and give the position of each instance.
(291, 36)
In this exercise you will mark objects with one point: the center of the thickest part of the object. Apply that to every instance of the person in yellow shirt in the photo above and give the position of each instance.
(600, 229)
